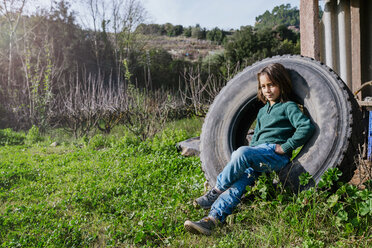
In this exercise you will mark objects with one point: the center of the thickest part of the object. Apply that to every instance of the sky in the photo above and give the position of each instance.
(224, 14)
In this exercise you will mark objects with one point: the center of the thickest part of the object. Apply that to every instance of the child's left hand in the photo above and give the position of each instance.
(279, 150)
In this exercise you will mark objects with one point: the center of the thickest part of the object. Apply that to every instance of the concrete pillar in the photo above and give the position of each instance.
(309, 26)
(344, 40)
(329, 34)
(356, 73)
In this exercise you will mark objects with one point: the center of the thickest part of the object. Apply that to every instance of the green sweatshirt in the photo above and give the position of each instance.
(284, 124)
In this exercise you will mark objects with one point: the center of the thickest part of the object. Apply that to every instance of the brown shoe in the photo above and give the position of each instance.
(204, 226)
(206, 201)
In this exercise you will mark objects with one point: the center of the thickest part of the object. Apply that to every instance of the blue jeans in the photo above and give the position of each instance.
(245, 165)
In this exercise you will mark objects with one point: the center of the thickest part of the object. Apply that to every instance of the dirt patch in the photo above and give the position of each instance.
(362, 174)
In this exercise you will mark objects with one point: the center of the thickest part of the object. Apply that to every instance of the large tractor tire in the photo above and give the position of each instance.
(325, 99)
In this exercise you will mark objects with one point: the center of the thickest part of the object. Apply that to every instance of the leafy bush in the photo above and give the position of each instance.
(348, 209)
(9, 137)
(100, 141)
(33, 135)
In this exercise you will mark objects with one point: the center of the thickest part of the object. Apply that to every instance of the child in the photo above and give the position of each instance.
(281, 127)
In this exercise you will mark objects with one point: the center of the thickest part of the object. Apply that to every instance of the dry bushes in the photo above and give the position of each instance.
(363, 173)
(86, 104)
(197, 94)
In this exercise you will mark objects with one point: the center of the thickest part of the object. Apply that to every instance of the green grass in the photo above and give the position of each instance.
(116, 191)
(191, 126)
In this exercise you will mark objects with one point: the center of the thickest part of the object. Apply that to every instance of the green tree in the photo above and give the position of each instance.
(178, 30)
(216, 35)
(249, 44)
(169, 29)
(198, 32)
(157, 69)
(150, 29)
(242, 45)
(280, 15)
(187, 31)
(283, 33)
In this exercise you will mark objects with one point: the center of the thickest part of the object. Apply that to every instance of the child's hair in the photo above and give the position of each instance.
(279, 76)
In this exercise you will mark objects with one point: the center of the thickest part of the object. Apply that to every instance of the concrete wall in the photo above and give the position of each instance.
(346, 41)
(336, 38)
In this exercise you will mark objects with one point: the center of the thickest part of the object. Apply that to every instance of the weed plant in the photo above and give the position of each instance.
(119, 191)
(9, 137)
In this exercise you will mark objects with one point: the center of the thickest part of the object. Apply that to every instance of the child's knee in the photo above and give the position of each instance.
(241, 152)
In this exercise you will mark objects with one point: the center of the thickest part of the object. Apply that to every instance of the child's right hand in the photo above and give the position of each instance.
(279, 149)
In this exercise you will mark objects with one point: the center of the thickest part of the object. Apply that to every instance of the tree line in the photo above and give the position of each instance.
(56, 73)
(215, 35)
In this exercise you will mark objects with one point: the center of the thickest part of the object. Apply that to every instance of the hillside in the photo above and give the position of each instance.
(182, 47)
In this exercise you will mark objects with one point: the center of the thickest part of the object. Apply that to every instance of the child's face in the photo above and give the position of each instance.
(270, 91)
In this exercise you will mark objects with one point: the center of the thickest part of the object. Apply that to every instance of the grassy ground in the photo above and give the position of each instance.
(115, 191)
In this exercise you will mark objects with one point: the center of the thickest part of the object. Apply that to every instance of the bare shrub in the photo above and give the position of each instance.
(148, 111)
(197, 95)
(89, 103)
(82, 103)
(363, 172)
